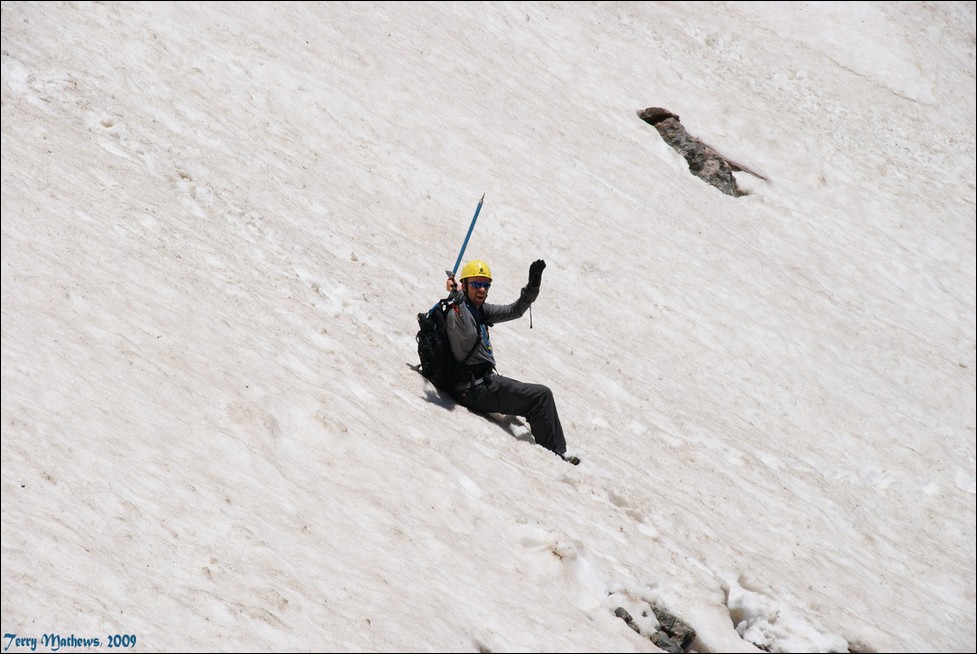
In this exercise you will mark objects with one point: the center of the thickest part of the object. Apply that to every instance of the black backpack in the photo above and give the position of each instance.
(438, 364)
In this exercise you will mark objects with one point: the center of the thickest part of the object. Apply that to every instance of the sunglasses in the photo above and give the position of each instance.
(478, 285)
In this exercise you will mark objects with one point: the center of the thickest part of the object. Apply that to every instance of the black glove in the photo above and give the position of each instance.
(536, 273)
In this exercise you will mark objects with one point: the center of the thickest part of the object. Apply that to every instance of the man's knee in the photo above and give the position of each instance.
(544, 392)
(542, 398)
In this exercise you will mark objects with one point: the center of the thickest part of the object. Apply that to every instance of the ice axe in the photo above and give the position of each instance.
(451, 273)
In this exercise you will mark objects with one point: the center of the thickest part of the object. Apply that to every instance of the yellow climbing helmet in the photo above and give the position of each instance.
(475, 268)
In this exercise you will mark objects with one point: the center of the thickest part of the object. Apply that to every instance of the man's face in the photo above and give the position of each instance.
(478, 288)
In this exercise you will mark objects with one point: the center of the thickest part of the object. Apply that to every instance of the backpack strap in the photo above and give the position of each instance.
(478, 336)
(471, 351)
(480, 370)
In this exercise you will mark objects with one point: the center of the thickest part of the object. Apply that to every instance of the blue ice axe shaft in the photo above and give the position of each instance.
(451, 273)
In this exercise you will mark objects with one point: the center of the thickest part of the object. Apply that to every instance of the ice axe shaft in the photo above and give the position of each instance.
(451, 273)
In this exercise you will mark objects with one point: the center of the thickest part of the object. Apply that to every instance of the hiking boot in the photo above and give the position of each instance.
(573, 460)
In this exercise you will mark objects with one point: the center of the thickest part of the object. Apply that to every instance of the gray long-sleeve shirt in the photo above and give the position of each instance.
(463, 330)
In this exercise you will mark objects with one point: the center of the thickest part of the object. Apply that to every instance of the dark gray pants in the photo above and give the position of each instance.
(534, 402)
